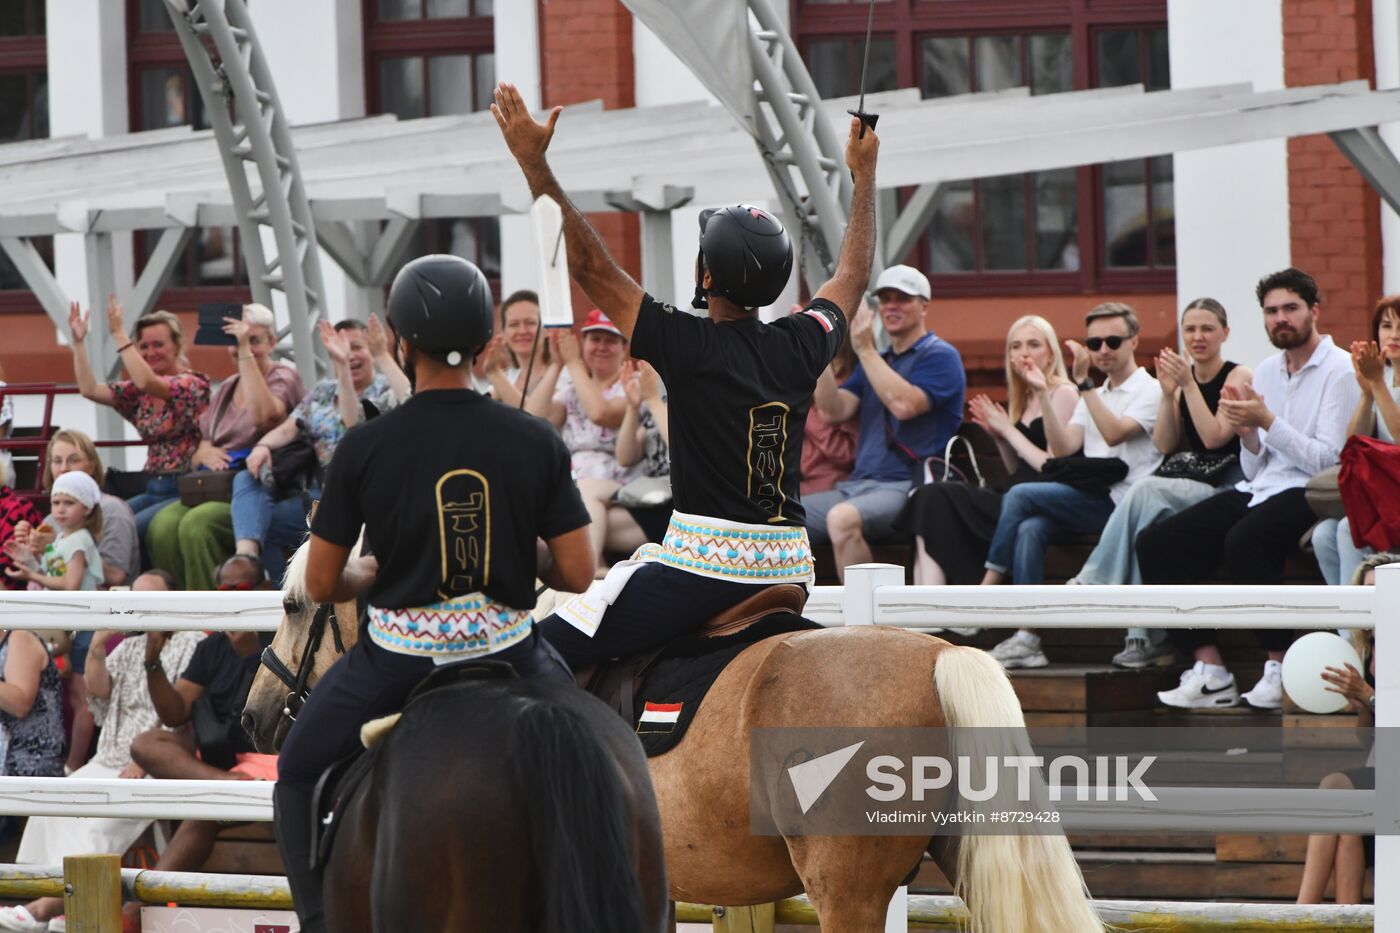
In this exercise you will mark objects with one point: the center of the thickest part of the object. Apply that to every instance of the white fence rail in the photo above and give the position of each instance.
(873, 594)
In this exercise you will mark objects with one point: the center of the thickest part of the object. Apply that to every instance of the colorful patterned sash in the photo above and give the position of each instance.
(464, 627)
(733, 550)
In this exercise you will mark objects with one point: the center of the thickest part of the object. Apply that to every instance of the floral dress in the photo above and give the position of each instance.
(36, 741)
(319, 413)
(170, 429)
(593, 447)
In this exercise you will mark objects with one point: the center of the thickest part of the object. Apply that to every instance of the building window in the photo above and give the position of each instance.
(1070, 229)
(162, 93)
(431, 58)
(24, 114)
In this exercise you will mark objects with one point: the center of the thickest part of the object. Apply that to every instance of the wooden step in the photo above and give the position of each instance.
(1260, 847)
(1088, 688)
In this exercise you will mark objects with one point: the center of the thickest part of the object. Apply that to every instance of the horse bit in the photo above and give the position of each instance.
(297, 682)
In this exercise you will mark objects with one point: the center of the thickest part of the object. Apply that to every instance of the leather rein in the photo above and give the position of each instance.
(297, 683)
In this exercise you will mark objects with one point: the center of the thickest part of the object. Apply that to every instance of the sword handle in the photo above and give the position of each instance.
(867, 120)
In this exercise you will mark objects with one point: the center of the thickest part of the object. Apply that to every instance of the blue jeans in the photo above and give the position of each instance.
(276, 524)
(1149, 500)
(1033, 515)
(160, 492)
(1337, 556)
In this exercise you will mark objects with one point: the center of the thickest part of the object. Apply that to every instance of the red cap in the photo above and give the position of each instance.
(597, 320)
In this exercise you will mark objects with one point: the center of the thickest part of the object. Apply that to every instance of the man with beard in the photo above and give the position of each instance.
(909, 400)
(1292, 423)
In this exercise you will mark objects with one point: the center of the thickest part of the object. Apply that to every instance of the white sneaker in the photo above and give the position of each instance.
(58, 924)
(20, 920)
(1198, 690)
(1268, 693)
(1020, 650)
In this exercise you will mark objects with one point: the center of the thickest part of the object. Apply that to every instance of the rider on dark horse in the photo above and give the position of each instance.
(738, 390)
(452, 490)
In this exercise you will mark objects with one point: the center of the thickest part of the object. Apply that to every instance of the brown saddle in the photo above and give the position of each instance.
(615, 682)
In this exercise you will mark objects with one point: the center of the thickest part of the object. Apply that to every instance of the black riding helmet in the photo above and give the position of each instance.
(442, 306)
(748, 254)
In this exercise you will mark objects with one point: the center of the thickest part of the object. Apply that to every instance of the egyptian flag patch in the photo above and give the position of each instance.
(659, 717)
(823, 317)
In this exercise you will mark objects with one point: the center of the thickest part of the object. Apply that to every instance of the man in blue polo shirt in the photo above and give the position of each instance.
(909, 400)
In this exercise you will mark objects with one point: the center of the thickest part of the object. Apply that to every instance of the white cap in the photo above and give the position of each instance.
(906, 279)
(79, 485)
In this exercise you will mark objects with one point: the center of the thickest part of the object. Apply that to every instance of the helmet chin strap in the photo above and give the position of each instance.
(701, 300)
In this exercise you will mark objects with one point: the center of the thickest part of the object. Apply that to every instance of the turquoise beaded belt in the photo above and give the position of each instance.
(462, 627)
(733, 551)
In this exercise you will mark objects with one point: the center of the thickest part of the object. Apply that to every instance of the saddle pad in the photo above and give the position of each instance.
(673, 687)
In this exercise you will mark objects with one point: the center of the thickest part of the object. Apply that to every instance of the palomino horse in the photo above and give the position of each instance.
(495, 803)
(838, 677)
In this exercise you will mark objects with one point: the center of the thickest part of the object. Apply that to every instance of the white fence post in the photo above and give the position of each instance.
(858, 608)
(1387, 622)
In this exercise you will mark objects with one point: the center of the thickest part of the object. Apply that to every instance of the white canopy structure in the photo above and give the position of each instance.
(394, 174)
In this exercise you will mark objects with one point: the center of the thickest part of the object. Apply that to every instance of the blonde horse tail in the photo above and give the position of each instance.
(1022, 883)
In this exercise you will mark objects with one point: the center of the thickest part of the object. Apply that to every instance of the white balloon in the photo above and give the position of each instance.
(1303, 666)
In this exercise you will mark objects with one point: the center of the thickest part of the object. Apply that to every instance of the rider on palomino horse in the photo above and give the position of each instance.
(738, 390)
(452, 491)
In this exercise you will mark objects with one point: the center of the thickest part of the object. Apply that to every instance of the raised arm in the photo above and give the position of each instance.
(91, 389)
(846, 287)
(384, 360)
(590, 263)
(141, 373)
(347, 400)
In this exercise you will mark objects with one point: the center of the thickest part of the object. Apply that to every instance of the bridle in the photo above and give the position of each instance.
(297, 683)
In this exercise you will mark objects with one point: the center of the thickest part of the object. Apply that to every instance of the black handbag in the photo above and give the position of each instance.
(1087, 474)
(214, 737)
(291, 466)
(1203, 467)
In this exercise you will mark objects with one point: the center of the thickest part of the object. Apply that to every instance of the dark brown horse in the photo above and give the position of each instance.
(836, 677)
(495, 804)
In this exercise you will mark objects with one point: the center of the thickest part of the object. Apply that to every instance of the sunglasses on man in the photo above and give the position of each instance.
(234, 587)
(1095, 343)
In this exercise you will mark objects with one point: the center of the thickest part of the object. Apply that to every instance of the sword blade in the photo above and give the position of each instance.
(865, 62)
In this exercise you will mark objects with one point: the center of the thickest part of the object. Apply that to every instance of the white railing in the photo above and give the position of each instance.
(873, 594)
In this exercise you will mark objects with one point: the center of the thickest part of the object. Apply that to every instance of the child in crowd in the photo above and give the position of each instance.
(72, 561)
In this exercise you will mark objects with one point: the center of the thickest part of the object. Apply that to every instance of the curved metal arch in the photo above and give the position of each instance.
(240, 99)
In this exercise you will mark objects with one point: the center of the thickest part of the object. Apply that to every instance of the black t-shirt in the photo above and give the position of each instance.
(226, 677)
(452, 490)
(738, 393)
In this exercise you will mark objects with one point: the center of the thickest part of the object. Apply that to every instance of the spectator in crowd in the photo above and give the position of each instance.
(118, 544)
(1292, 423)
(1189, 421)
(506, 359)
(31, 707)
(588, 405)
(15, 511)
(1345, 855)
(122, 705)
(266, 521)
(642, 448)
(953, 523)
(218, 675)
(909, 400)
(1112, 422)
(71, 561)
(7, 426)
(829, 450)
(1377, 368)
(190, 542)
(163, 397)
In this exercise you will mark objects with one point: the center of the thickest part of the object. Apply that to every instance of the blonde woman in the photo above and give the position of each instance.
(190, 543)
(162, 397)
(953, 522)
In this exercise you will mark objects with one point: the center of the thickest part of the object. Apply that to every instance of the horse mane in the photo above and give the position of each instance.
(294, 577)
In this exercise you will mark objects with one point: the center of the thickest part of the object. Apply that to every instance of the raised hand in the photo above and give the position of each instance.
(77, 323)
(566, 345)
(239, 329)
(377, 337)
(648, 380)
(526, 138)
(632, 383)
(493, 358)
(1173, 372)
(1034, 376)
(863, 328)
(1079, 370)
(861, 154)
(1369, 365)
(991, 416)
(115, 325)
(337, 346)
